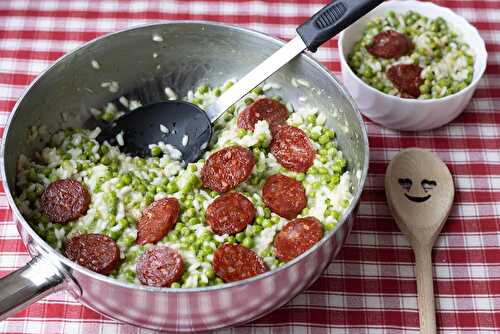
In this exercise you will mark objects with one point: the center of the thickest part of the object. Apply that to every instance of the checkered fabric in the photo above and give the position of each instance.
(370, 287)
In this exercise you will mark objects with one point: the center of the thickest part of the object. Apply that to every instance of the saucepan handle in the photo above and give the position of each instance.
(37, 279)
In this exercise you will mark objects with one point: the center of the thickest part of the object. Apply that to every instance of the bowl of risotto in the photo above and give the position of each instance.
(412, 65)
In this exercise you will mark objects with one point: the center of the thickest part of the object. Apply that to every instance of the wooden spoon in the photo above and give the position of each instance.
(420, 191)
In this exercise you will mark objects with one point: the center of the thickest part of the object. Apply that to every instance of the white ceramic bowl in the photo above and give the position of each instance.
(410, 114)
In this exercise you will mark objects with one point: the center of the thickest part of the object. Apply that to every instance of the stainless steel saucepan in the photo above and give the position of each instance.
(191, 54)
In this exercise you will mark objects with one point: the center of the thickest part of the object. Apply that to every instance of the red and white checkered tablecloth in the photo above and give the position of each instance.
(370, 287)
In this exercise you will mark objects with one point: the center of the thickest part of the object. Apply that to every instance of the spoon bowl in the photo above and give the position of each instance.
(181, 124)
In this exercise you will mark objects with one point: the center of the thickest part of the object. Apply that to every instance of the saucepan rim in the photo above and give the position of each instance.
(76, 267)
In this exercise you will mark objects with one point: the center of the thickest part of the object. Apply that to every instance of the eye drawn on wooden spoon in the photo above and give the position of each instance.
(420, 192)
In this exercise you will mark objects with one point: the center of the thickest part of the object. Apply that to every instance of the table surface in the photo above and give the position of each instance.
(370, 286)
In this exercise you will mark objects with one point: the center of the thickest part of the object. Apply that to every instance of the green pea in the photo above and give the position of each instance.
(240, 236)
(231, 239)
(247, 242)
(259, 220)
(329, 226)
(217, 92)
(172, 188)
(267, 223)
(368, 72)
(314, 135)
(175, 285)
(107, 116)
(129, 240)
(156, 151)
(185, 231)
(323, 170)
(197, 101)
(344, 203)
(194, 221)
(210, 274)
(240, 133)
(218, 281)
(257, 229)
(311, 119)
(228, 85)
(335, 179)
(202, 89)
(149, 198)
(275, 219)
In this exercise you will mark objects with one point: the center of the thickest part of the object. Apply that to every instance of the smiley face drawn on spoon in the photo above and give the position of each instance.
(427, 186)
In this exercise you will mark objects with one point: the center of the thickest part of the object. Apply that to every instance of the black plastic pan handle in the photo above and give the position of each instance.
(332, 19)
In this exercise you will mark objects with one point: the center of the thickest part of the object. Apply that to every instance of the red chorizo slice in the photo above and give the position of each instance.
(227, 168)
(96, 252)
(65, 200)
(406, 78)
(284, 195)
(230, 213)
(292, 149)
(160, 267)
(157, 220)
(296, 237)
(390, 44)
(234, 262)
(272, 111)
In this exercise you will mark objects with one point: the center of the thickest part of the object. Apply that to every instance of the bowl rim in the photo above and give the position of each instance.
(61, 262)
(420, 4)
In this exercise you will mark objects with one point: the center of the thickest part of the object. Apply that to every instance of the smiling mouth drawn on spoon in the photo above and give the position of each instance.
(417, 199)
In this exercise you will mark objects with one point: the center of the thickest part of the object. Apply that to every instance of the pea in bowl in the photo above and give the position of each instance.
(412, 65)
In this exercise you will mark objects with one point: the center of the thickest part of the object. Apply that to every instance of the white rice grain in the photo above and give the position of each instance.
(119, 139)
(95, 64)
(157, 38)
(185, 140)
(164, 129)
(170, 93)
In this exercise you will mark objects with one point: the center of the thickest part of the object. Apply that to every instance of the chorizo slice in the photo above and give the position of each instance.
(96, 252)
(272, 111)
(227, 168)
(284, 195)
(157, 220)
(65, 200)
(292, 149)
(160, 267)
(390, 44)
(406, 78)
(230, 213)
(234, 262)
(296, 237)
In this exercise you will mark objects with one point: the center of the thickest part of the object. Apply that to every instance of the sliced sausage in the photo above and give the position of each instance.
(230, 213)
(296, 237)
(390, 44)
(96, 252)
(160, 266)
(272, 111)
(65, 200)
(157, 220)
(284, 195)
(292, 149)
(406, 78)
(234, 262)
(227, 168)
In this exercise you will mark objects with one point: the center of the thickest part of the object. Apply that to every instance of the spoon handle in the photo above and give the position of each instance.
(425, 290)
(332, 19)
(322, 26)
